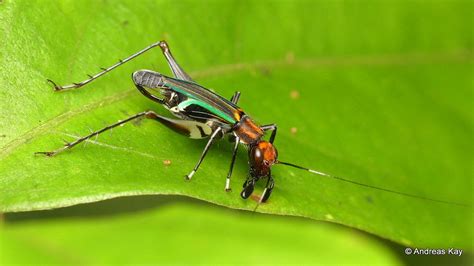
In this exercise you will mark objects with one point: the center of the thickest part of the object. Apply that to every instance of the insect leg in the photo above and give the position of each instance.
(249, 185)
(192, 129)
(271, 127)
(227, 181)
(204, 152)
(268, 189)
(178, 72)
(266, 192)
(235, 97)
(67, 146)
(104, 70)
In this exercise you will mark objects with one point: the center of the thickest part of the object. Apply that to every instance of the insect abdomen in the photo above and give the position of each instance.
(148, 79)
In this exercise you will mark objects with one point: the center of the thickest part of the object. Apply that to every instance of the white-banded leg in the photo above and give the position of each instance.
(229, 174)
(273, 128)
(235, 98)
(268, 189)
(248, 186)
(104, 71)
(204, 152)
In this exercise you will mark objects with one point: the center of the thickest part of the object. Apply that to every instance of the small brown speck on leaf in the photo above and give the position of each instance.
(290, 57)
(265, 71)
(293, 130)
(255, 198)
(294, 94)
(167, 162)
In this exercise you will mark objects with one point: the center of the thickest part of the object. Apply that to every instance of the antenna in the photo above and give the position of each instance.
(374, 187)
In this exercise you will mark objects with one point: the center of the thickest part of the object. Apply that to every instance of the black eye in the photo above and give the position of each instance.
(256, 156)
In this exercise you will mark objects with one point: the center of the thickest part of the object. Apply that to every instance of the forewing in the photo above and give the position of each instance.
(197, 96)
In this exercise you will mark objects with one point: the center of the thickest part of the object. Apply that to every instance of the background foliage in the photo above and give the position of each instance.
(185, 232)
(385, 98)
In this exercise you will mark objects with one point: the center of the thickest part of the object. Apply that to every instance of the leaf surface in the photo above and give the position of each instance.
(378, 93)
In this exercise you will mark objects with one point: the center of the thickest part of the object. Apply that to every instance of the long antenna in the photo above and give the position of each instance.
(374, 187)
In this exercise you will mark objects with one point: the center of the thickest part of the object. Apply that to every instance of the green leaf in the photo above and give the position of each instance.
(188, 234)
(385, 95)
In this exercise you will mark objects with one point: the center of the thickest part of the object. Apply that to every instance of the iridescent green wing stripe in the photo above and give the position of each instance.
(206, 106)
(205, 98)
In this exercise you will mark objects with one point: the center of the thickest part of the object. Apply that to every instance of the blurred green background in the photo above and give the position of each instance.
(379, 92)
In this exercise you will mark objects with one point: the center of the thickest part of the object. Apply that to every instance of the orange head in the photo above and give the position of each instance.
(262, 155)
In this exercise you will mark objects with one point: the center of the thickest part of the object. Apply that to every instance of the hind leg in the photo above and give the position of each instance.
(189, 128)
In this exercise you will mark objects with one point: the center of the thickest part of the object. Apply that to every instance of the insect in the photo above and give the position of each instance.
(202, 113)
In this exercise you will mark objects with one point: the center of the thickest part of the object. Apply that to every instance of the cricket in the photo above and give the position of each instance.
(201, 113)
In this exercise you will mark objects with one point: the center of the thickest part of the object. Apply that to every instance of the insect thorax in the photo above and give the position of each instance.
(248, 131)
